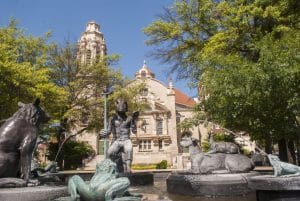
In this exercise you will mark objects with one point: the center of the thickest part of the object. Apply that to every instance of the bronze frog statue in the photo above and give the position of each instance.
(105, 185)
(283, 169)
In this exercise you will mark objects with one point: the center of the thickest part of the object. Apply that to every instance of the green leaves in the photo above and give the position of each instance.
(23, 72)
(244, 55)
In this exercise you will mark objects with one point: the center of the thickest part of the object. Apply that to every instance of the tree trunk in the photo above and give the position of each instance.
(298, 152)
(268, 144)
(291, 147)
(283, 153)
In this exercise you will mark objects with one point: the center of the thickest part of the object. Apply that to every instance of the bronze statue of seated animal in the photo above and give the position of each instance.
(222, 147)
(18, 137)
(283, 169)
(205, 163)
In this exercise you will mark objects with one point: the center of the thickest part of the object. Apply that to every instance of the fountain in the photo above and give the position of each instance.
(113, 175)
(284, 185)
(220, 172)
(18, 137)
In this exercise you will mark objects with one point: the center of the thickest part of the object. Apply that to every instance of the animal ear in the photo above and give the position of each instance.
(36, 102)
(20, 104)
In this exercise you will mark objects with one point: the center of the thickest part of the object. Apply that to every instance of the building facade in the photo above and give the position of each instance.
(91, 48)
(157, 135)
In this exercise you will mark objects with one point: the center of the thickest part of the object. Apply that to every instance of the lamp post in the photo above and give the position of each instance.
(105, 94)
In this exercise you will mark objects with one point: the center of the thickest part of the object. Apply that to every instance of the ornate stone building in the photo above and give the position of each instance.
(157, 136)
(91, 48)
(91, 45)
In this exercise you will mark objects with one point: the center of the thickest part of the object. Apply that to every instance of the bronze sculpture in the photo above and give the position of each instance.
(283, 169)
(222, 147)
(105, 185)
(206, 163)
(121, 126)
(18, 137)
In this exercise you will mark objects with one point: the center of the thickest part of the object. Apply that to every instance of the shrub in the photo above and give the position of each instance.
(162, 165)
(73, 152)
(143, 166)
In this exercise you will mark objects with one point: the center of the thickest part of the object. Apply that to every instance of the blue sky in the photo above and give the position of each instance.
(120, 21)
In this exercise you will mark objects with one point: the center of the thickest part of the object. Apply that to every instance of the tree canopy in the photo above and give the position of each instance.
(243, 55)
(23, 71)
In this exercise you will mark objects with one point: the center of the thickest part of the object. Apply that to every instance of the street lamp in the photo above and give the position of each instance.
(105, 93)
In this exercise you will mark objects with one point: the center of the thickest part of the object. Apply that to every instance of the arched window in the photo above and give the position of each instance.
(143, 74)
(159, 126)
(88, 56)
(144, 92)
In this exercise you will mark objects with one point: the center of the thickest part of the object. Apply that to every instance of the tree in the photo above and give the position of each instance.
(85, 84)
(245, 57)
(181, 33)
(23, 71)
(261, 98)
(73, 153)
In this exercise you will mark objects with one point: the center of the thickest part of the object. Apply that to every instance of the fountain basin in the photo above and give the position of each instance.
(210, 184)
(270, 188)
(36, 193)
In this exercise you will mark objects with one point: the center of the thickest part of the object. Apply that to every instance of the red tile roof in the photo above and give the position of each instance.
(184, 99)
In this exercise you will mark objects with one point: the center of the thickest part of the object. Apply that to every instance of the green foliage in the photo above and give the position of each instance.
(205, 145)
(246, 152)
(73, 152)
(222, 137)
(85, 85)
(162, 165)
(130, 92)
(23, 72)
(244, 55)
(188, 123)
(143, 166)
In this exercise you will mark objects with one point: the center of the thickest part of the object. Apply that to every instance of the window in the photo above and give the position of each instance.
(143, 74)
(88, 56)
(97, 55)
(159, 126)
(144, 145)
(160, 145)
(144, 92)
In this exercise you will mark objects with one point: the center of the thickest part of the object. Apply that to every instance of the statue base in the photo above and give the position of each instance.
(270, 188)
(36, 193)
(213, 185)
